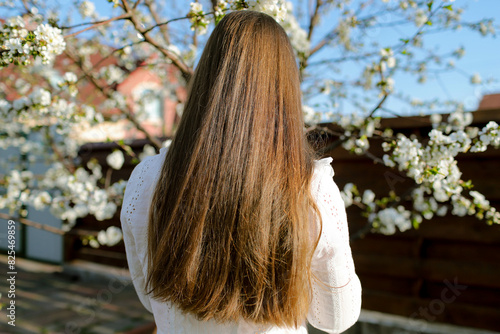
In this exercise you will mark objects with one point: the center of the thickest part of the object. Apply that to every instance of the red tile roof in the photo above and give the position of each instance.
(490, 101)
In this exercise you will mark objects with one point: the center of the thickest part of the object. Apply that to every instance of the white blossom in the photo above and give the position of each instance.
(460, 52)
(368, 196)
(41, 200)
(310, 116)
(112, 74)
(115, 159)
(442, 211)
(196, 7)
(94, 243)
(475, 79)
(458, 119)
(41, 96)
(110, 237)
(435, 119)
(461, 206)
(274, 8)
(388, 57)
(147, 151)
(52, 38)
(479, 199)
(347, 194)
(106, 211)
(391, 218)
(198, 20)
(87, 8)
(420, 18)
(70, 77)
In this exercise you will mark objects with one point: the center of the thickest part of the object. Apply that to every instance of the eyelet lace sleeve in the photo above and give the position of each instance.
(133, 243)
(336, 299)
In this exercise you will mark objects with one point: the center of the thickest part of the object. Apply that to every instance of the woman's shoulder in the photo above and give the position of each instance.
(322, 170)
(322, 182)
(324, 166)
(147, 170)
(140, 186)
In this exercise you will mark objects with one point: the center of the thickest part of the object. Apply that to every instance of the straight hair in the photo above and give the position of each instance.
(230, 224)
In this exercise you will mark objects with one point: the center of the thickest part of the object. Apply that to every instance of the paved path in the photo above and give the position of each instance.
(86, 298)
(49, 300)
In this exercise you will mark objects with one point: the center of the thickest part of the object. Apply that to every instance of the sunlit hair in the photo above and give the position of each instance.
(230, 232)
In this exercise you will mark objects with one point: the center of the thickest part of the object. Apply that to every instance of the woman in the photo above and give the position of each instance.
(236, 229)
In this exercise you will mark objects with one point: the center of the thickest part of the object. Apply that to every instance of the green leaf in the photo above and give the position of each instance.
(449, 7)
(468, 184)
(415, 224)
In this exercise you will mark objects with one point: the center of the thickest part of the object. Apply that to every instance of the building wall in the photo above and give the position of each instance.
(31, 242)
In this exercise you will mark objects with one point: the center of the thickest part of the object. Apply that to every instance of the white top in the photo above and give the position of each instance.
(334, 308)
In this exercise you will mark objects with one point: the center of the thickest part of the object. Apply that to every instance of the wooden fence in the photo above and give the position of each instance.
(446, 271)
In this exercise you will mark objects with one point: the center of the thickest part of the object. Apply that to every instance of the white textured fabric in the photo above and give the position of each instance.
(336, 300)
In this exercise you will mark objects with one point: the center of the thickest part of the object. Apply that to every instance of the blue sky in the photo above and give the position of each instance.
(482, 55)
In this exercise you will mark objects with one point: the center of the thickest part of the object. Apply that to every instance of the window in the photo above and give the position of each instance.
(152, 104)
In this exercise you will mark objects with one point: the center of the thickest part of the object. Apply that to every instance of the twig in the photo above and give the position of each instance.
(186, 71)
(332, 146)
(107, 181)
(136, 4)
(31, 223)
(373, 157)
(346, 58)
(379, 105)
(156, 18)
(25, 4)
(115, 51)
(95, 25)
(145, 31)
(314, 19)
(68, 165)
(361, 232)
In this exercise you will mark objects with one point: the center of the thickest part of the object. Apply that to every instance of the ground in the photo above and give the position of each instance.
(53, 301)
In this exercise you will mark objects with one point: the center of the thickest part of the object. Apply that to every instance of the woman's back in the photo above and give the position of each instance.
(332, 309)
(237, 223)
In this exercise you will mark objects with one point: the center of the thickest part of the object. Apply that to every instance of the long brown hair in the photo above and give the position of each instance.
(229, 224)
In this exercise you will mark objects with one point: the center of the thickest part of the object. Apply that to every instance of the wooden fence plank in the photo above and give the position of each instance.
(433, 310)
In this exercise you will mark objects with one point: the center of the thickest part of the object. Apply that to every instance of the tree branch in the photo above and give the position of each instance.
(332, 146)
(186, 71)
(100, 23)
(379, 105)
(314, 19)
(362, 232)
(156, 18)
(214, 5)
(115, 51)
(25, 4)
(136, 4)
(68, 165)
(127, 112)
(31, 223)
